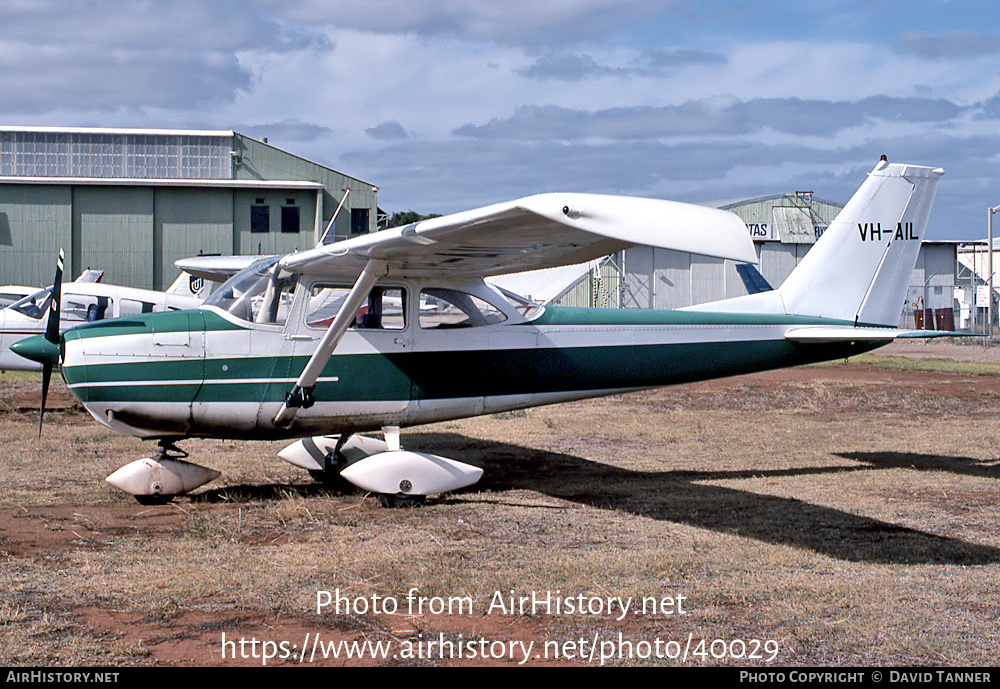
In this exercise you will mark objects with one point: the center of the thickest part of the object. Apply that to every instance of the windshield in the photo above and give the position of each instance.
(260, 293)
(36, 305)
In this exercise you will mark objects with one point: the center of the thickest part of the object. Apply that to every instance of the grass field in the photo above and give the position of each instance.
(840, 515)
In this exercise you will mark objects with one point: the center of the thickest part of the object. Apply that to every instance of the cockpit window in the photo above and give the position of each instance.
(79, 308)
(34, 306)
(449, 308)
(261, 293)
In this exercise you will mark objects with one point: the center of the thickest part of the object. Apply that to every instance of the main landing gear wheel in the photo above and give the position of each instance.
(153, 500)
(332, 480)
(398, 478)
(400, 500)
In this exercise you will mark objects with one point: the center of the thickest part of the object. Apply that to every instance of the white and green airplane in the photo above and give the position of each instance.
(399, 328)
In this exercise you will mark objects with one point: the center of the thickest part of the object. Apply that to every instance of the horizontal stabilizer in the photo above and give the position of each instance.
(849, 333)
(215, 268)
(752, 279)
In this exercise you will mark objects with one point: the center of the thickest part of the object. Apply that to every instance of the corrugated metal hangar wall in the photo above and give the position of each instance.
(131, 202)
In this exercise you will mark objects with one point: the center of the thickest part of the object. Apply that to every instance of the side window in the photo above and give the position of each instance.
(448, 308)
(385, 308)
(131, 307)
(83, 308)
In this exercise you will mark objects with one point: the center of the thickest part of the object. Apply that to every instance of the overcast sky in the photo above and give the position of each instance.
(456, 104)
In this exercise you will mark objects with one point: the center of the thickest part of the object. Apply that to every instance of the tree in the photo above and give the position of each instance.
(398, 219)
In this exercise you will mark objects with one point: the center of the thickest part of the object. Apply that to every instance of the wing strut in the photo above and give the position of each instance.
(301, 395)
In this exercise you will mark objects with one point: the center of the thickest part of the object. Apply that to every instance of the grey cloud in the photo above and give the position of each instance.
(659, 59)
(459, 174)
(990, 107)
(214, 25)
(286, 130)
(787, 115)
(567, 67)
(89, 78)
(515, 22)
(387, 131)
(570, 67)
(102, 55)
(952, 44)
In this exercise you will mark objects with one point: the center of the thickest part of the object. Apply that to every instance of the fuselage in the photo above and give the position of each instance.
(425, 352)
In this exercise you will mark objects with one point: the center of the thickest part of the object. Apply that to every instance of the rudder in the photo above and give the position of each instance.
(860, 268)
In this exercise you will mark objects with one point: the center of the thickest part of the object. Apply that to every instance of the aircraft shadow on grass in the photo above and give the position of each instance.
(966, 466)
(681, 497)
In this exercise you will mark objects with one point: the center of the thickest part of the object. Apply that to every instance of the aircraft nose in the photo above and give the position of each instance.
(37, 348)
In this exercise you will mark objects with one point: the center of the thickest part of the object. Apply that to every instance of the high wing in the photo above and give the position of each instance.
(541, 231)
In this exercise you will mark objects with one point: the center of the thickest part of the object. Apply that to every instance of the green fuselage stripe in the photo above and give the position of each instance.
(443, 374)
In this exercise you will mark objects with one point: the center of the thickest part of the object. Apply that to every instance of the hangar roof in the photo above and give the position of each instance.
(793, 218)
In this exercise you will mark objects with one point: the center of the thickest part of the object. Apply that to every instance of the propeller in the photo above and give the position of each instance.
(52, 335)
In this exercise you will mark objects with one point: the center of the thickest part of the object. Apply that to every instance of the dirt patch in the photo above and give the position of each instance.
(835, 515)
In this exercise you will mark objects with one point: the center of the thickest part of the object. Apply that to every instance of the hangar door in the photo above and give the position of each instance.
(113, 232)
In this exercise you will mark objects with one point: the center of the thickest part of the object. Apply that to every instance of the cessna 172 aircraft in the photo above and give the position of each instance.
(399, 328)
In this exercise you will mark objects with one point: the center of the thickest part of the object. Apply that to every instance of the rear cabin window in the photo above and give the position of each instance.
(449, 308)
(84, 308)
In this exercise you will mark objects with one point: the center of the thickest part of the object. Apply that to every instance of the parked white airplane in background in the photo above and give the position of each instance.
(82, 302)
(12, 293)
(399, 328)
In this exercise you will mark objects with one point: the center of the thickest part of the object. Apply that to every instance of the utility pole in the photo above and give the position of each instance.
(989, 271)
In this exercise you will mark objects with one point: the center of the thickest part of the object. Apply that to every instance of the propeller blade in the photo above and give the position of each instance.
(51, 334)
(46, 376)
(55, 305)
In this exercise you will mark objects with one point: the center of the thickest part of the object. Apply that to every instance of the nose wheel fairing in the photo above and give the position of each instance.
(159, 478)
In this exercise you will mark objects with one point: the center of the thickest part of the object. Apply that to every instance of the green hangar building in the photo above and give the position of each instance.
(132, 201)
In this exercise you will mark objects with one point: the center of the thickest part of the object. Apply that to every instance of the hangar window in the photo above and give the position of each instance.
(260, 219)
(290, 219)
(359, 220)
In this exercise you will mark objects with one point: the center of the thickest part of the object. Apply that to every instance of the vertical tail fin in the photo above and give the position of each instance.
(860, 268)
